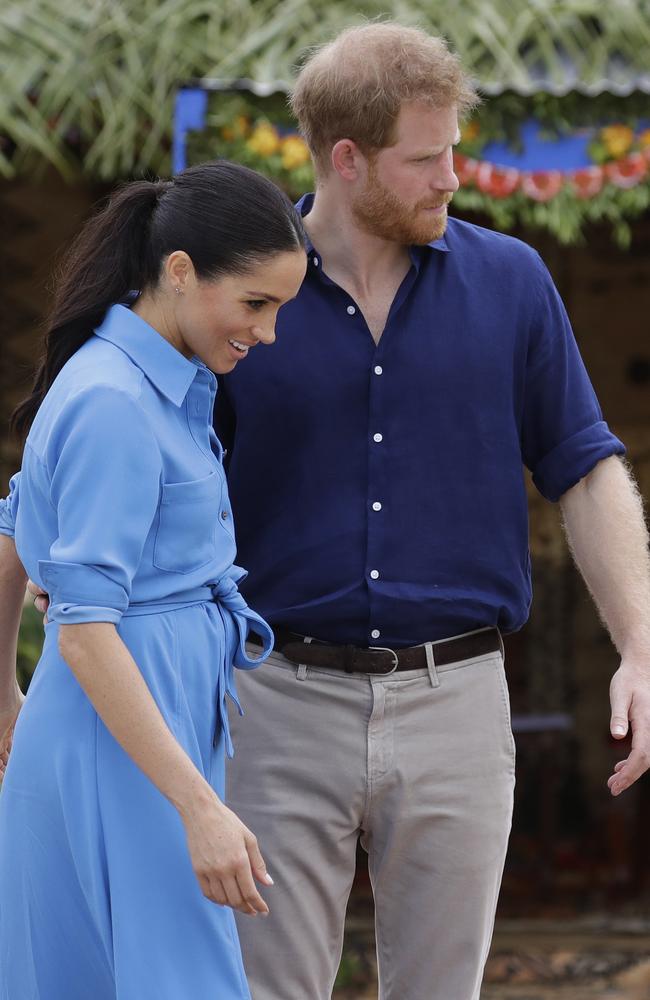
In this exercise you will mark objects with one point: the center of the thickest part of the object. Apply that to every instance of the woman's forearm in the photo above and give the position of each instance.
(114, 685)
(12, 594)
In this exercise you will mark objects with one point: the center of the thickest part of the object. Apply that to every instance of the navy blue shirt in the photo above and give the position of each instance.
(378, 490)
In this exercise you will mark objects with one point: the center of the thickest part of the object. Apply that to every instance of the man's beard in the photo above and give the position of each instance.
(381, 213)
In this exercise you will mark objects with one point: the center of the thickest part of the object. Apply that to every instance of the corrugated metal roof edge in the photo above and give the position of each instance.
(639, 84)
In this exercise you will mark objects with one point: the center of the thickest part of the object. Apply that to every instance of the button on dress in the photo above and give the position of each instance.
(121, 513)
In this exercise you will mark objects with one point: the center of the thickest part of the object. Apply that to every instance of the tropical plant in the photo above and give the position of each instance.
(613, 188)
(89, 86)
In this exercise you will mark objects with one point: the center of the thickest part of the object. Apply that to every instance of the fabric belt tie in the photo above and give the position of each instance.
(237, 619)
(382, 660)
(241, 618)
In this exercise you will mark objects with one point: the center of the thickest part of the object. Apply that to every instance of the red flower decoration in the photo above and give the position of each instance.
(497, 181)
(464, 168)
(542, 185)
(587, 182)
(627, 173)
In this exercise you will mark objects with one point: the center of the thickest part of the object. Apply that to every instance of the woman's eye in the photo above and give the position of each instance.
(256, 303)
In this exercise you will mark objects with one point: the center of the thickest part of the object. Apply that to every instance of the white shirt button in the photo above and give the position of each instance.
(378, 369)
(376, 505)
(351, 310)
(375, 633)
(377, 437)
(374, 574)
(316, 261)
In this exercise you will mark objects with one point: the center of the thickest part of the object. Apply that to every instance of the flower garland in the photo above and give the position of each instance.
(621, 157)
(614, 187)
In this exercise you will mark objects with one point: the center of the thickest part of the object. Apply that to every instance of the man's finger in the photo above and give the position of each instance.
(620, 714)
(632, 769)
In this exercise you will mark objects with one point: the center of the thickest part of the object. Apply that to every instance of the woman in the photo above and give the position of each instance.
(114, 840)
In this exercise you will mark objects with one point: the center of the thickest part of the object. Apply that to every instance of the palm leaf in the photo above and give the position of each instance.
(109, 68)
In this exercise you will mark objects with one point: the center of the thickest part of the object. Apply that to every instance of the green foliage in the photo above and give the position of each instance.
(30, 643)
(89, 86)
(565, 216)
(232, 120)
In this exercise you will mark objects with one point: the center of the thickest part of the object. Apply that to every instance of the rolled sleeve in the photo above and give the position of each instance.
(9, 508)
(563, 432)
(574, 458)
(105, 469)
(104, 600)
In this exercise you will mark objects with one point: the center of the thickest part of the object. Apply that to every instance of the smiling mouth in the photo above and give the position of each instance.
(241, 349)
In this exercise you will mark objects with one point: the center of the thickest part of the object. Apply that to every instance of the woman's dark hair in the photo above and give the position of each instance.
(224, 216)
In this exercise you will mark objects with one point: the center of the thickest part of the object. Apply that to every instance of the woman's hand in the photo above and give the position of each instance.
(39, 597)
(224, 855)
(8, 716)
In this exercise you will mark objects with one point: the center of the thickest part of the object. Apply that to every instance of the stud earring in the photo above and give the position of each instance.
(178, 290)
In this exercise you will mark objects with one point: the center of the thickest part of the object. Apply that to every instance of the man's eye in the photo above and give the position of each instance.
(256, 303)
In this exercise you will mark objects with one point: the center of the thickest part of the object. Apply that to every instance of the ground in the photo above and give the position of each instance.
(534, 960)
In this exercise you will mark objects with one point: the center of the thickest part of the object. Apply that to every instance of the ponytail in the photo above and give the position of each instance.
(106, 261)
(224, 216)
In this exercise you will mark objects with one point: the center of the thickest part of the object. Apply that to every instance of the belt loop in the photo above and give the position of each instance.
(431, 665)
(303, 671)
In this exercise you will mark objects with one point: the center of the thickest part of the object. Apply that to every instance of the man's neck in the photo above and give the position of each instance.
(364, 261)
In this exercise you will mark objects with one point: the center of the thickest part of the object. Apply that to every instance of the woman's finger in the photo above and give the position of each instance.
(257, 862)
(235, 897)
(249, 892)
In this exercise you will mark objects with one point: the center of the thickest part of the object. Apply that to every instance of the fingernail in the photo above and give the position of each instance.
(619, 731)
(268, 879)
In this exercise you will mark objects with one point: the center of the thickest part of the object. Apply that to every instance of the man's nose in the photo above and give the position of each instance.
(445, 179)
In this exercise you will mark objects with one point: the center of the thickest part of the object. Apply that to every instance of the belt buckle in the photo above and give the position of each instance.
(385, 673)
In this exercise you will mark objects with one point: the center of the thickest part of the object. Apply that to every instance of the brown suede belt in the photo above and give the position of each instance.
(378, 659)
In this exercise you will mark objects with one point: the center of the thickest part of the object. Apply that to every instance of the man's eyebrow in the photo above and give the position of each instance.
(434, 150)
(263, 295)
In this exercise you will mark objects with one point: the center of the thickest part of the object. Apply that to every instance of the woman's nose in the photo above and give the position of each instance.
(265, 335)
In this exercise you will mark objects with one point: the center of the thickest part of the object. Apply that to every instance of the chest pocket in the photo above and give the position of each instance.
(188, 524)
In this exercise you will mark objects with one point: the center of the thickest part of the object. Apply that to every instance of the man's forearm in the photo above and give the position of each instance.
(12, 593)
(605, 526)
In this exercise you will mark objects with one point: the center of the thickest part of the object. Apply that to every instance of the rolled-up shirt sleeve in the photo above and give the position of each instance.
(563, 432)
(105, 471)
(9, 506)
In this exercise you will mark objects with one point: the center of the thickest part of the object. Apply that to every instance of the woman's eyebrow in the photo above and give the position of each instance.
(263, 295)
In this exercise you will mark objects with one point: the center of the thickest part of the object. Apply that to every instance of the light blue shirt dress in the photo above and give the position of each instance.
(121, 513)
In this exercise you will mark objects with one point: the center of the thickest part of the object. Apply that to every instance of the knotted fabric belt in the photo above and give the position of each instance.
(237, 619)
(377, 659)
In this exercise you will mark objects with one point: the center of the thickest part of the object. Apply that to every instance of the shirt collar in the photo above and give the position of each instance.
(304, 206)
(170, 372)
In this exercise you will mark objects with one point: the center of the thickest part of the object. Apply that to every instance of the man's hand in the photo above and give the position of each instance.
(41, 599)
(629, 694)
(605, 526)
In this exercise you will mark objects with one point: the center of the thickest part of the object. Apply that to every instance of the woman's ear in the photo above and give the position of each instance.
(179, 270)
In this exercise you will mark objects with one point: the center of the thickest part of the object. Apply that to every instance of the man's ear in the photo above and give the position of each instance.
(346, 157)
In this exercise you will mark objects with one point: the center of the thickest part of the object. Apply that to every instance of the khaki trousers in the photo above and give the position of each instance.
(420, 766)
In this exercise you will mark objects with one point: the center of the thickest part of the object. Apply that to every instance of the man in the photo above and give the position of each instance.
(375, 470)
